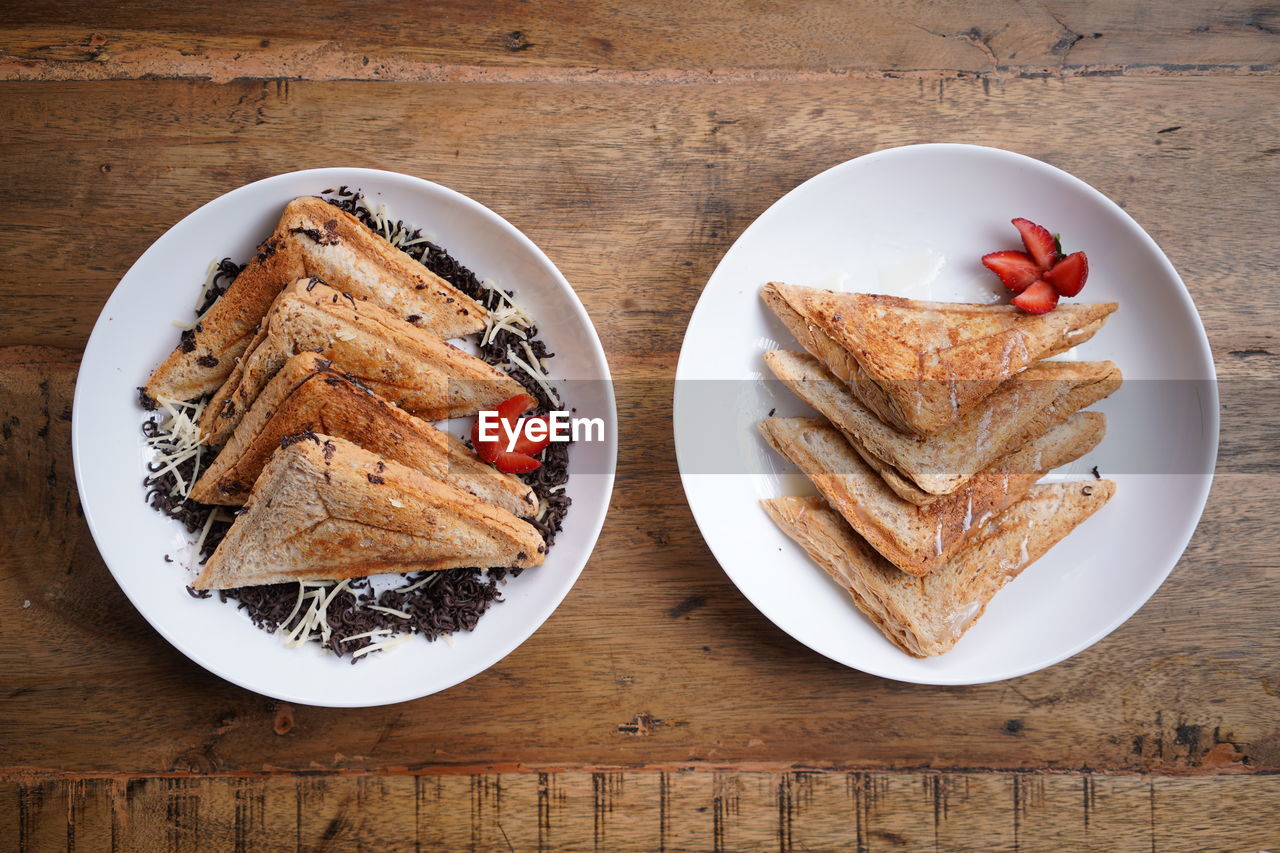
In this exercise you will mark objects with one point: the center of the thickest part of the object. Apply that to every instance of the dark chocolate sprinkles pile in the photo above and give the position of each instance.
(456, 599)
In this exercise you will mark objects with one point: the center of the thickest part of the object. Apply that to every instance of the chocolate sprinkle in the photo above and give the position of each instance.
(375, 479)
(207, 361)
(325, 238)
(305, 435)
(452, 600)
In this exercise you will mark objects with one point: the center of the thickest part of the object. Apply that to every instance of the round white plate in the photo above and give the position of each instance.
(914, 221)
(135, 331)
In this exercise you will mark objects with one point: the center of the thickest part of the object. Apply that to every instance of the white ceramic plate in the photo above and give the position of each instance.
(135, 332)
(914, 221)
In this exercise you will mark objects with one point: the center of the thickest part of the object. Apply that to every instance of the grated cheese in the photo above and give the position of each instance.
(390, 611)
(427, 581)
(535, 374)
(209, 273)
(382, 646)
(177, 440)
(375, 632)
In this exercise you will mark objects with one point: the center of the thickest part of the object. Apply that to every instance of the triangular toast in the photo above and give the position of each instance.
(921, 365)
(310, 394)
(919, 470)
(326, 509)
(926, 616)
(400, 362)
(313, 238)
(918, 539)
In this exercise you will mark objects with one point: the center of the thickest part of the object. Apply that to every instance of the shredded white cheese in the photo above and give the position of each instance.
(535, 374)
(367, 634)
(382, 646)
(427, 581)
(390, 611)
(177, 440)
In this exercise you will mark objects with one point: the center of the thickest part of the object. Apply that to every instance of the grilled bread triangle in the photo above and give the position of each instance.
(326, 509)
(313, 238)
(400, 362)
(926, 616)
(921, 469)
(919, 539)
(311, 395)
(921, 365)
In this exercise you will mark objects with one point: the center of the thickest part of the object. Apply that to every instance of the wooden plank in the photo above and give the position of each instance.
(683, 811)
(634, 191)
(713, 684)
(623, 39)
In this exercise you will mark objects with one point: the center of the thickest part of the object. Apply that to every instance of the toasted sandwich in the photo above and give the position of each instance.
(919, 539)
(313, 238)
(926, 616)
(404, 364)
(921, 365)
(311, 395)
(326, 509)
(920, 469)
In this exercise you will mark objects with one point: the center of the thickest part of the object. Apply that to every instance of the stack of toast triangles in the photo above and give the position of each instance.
(326, 359)
(938, 420)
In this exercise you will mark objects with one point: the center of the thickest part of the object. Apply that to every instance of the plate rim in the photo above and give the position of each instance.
(1204, 482)
(352, 175)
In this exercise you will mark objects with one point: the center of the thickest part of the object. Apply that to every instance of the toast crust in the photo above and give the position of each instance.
(922, 469)
(919, 539)
(310, 395)
(404, 364)
(927, 616)
(312, 238)
(921, 365)
(326, 509)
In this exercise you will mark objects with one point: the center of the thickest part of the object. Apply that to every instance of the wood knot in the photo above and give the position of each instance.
(284, 720)
(641, 724)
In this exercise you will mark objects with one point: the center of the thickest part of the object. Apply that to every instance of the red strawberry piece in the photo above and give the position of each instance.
(1016, 269)
(1039, 242)
(486, 450)
(530, 446)
(516, 463)
(516, 406)
(1039, 298)
(1069, 274)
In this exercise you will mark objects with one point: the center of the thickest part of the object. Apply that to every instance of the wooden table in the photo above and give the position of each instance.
(656, 710)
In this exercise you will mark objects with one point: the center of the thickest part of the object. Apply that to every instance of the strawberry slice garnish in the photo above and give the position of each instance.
(486, 450)
(1069, 274)
(529, 446)
(1039, 298)
(510, 462)
(514, 407)
(1041, 245)
(1016, 269)
(494, 451)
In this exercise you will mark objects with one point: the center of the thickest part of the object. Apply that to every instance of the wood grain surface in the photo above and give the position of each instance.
(658, 811)
(656, 709)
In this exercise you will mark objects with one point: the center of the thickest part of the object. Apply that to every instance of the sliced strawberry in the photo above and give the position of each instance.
(516, 463)
(516, 406)
(1016, 269)
(1039, 298)
(529, 446)
(1040, 244)
(1069, 274)
(486, 450)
